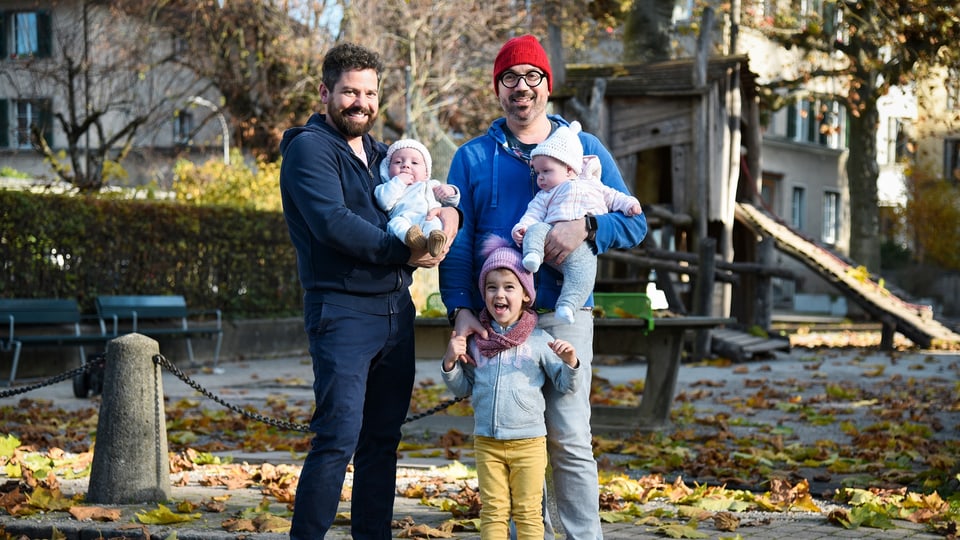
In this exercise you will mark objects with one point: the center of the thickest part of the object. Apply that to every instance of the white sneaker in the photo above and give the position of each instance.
(565, 314)
(531, 262)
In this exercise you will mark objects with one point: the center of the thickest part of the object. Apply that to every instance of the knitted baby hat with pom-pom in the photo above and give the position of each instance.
(563, 144)
(499, 253)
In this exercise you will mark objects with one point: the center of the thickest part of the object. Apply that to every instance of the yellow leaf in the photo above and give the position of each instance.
(423, 531)
(269, 523)
(615, 517)
(678, 530)
(48, 500)
(164, 516)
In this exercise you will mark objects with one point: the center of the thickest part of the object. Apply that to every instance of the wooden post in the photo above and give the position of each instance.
(763, 308)
(703, 293)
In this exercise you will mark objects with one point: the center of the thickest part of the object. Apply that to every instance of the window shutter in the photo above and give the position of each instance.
(44, 34)
(792, 122)
(4, 123)
(4, 33)
(46, 120)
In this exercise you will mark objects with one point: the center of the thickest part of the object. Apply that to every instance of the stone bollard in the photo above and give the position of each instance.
(130, 459)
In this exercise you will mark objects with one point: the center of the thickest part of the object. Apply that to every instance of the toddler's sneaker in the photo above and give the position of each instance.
(531, 261)
(565, 314)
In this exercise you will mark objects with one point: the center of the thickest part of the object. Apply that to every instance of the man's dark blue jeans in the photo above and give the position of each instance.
(364, 367)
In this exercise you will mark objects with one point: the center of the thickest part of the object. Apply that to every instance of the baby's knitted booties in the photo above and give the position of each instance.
(415, 238)
(435, 242)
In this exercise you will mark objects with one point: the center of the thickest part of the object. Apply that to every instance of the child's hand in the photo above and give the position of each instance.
(634, 210)
(443, 191)
(565, 351)
(518, 235)
(406, 178)
(456, 349)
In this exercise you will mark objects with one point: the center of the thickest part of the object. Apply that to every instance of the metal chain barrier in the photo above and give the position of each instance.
(160, 360)
(97, 362)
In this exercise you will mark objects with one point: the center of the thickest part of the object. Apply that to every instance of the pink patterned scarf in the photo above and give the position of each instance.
(518, 334)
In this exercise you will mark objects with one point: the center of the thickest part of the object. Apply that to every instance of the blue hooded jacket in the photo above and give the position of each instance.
(495, 186)
(344, 253)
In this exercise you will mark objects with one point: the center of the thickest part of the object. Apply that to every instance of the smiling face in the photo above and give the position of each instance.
(408, 160)
(504, 296)
(524, 105)
(353, 102)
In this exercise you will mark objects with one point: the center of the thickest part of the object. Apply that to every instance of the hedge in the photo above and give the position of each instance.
(238, 260)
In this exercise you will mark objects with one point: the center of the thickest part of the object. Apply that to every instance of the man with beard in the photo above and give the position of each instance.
(358, 314)
(495, 180)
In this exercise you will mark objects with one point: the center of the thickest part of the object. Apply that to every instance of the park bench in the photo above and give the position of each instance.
(160, 316)
(45, 321)
(662, 347)
(626, 326)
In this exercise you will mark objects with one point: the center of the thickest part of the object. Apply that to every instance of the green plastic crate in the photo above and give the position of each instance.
(625, 306)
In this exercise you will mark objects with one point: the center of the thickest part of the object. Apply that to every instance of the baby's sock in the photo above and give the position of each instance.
(531, 261)
(564, 313)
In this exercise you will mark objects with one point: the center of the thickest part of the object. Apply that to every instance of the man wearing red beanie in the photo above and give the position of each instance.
(493, 174)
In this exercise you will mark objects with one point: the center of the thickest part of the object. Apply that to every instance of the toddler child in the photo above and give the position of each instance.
(505, 373)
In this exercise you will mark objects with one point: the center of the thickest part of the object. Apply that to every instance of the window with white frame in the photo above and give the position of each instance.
(951, 160)
(770, 191)
(20, 118)
(183, 123)
(812, 121)
(25, 34)
(831, 217)
(953, 89)
(899, 146)
(798, 207)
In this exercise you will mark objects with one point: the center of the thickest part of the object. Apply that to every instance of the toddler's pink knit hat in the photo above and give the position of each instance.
(499, 253)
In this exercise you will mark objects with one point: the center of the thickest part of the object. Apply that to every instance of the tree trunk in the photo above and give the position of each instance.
(862, 173)
(646, 35)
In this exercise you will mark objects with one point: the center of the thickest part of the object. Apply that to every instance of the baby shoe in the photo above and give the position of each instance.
(564, 313)
(435, 242)
(415, 238)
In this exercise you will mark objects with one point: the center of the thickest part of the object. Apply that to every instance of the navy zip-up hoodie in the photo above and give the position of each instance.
(344, 253)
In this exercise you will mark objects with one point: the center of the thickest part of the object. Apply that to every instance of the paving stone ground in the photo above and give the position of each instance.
(247, 383)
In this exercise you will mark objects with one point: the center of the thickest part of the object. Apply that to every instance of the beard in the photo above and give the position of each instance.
(529, 109)
(349, 126)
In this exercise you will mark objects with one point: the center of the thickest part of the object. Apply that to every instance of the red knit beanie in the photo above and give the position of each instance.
(524, 49)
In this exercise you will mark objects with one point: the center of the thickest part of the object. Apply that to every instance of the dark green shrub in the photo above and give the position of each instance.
(238, 260)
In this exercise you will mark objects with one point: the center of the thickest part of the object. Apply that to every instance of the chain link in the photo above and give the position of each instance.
(159, 359)
(97, 361)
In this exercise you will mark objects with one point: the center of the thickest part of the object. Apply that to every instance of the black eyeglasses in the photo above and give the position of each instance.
(532, 78)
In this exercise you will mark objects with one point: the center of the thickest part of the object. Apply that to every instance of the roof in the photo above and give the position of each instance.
(654, 78)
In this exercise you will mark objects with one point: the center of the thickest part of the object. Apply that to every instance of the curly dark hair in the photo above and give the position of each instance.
(348, 57)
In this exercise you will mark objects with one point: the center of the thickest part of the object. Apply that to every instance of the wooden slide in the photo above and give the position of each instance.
(914, 321)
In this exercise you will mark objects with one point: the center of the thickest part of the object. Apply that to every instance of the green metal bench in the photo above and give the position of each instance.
(45, 321)
(160, 316)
